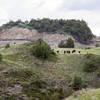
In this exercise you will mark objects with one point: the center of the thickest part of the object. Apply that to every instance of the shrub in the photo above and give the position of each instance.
(66, 44)
(90, 66)
(41, 91)
(89, 55)
(42, 49)
(14, 43)
(91, 63)
(77, 83)
(61, 44)
(98, 73)
(97, 45)
(21, 74)
(87, 48)
(70, 43)
(67, 91)
(7, 45)
(1, 57)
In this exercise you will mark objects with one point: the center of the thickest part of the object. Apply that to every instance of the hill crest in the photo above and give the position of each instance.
(76, 28)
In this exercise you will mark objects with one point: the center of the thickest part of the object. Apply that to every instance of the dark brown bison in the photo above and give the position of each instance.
(79, 51)
(68, 51)
(57, 51)
(73, 51)
(64, 52)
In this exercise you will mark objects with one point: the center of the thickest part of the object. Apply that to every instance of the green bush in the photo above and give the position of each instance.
(66, 44)
(1, 57)
(14, 43)
(98, 73)
(7, 45)
(87, 48)
(90, 66)
(97, 45)
(22, 74)
(77, 83)
(70, 43)
(91, 62)
(89, 55)
(39, 89)
(67, 91)
(61, 44)
(42, 49)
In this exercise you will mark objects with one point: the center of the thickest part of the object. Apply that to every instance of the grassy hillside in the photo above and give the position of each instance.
(26, 77)
(90, 94)
(84, 50)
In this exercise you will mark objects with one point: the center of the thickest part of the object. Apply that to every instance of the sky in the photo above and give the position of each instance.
(88, 10)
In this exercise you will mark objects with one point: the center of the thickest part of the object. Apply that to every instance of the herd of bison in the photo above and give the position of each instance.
(73, 51)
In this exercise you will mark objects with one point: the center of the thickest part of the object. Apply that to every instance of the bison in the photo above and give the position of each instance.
(73, 51)
(64, 52)
(79, 51)
(68, 51)
(57, 51)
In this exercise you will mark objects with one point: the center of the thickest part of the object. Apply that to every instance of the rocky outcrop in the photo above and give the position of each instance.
(17, 33)
(54, 39)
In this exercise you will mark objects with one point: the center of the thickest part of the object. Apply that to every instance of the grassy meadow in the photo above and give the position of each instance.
(91, 94)
(84, 50)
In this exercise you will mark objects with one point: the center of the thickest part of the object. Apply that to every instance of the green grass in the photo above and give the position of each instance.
(93, 94)
(64, 68)
(19, 66)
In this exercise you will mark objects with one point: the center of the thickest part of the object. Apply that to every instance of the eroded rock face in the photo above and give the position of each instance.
(17, 33)
(54, 39)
